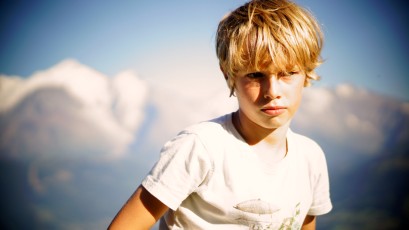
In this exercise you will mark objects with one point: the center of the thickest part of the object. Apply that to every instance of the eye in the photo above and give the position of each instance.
(288, 74)
(255, 75)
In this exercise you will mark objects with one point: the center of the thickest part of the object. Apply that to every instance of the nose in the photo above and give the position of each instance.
(272, 88)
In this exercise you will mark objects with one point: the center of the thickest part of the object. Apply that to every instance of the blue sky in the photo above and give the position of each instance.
(365, 40)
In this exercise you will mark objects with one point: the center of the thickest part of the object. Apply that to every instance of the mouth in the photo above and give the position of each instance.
(273, 110)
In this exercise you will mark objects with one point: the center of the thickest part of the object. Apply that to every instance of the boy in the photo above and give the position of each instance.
(245, 170)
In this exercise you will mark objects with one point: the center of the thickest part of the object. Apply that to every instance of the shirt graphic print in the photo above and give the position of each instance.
(261, 215)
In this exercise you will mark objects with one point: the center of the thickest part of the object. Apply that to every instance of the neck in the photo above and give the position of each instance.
(254, 134)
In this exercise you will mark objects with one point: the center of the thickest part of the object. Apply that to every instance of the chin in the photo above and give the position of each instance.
(275, 124)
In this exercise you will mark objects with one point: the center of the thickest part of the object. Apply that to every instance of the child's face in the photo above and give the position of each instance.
(269, 98)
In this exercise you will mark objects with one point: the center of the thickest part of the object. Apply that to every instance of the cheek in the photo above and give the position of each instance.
(297, 97)
(248, 91)
(251, 94)
(294, 95)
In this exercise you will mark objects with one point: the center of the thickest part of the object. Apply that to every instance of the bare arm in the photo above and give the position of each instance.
(309, 223)
(141, 211)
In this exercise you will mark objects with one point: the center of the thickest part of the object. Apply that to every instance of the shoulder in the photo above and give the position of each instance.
(307, 148)
(304, 143)
(209, 130)
(207, 136)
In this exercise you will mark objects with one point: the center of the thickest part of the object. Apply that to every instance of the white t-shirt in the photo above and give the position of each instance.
(210, 178)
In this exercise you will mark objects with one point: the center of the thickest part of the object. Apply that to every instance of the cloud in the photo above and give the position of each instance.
(70, 109)
(130, 93)
(40, 184)
(62, 127)
(176, 109)
(352, 118)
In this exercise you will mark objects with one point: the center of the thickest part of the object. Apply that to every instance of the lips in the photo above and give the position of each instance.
(273, 110)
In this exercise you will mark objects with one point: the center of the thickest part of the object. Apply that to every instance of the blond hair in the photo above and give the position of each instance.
(261, 32)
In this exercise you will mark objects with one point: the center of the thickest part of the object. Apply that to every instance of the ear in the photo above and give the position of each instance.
(224, 73)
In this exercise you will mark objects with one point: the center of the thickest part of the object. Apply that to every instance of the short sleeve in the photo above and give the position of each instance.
(183, 165)
(321, 203)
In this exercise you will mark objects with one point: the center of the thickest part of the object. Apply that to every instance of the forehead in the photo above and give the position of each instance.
(259, 49)
(266, 60)
(269, 67)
